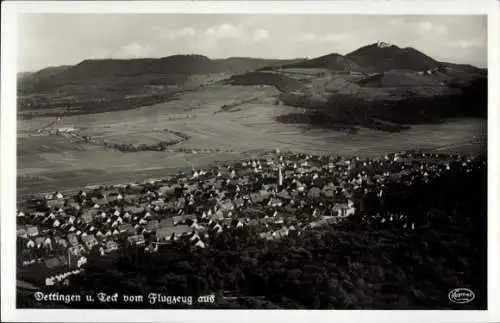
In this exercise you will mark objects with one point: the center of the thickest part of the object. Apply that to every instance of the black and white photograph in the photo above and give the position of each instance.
(232, 160)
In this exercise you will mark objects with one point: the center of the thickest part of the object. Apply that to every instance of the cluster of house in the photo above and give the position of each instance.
(278, 195)
(60, 278)
(371, 179)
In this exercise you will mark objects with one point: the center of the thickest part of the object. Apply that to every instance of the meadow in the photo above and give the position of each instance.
(54, 162)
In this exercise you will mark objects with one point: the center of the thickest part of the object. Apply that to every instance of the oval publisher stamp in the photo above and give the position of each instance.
(461, 295)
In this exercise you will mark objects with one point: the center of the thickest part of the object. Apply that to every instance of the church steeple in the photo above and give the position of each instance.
(280, 176)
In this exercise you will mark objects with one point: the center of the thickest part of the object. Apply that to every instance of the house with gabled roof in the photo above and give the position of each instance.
(61, 242)
(217, 228)
(330, 219)
(190, 216)
(52, 263)
(110, 245)
(127, 216)
(137, 239)
(166, 222)
(74, 205)
(63, 260)
(30, 244)
(55, 203)
(159, 202)
(226, 205)
(283, 194)
(99, 200)
(112, 196)
(32, 230)
(71, 219)
(267, 219)
(266, 235)
(126, 228)
(167, 233)
(199, 243)
(39, 241)
(131, 198)
(226, 222)
(238, 202)
(283, 232)
(180, 204)
(152, 225)
(81, 261)
(274, 202)
(74, 253)
(89, 241)
(314, 192)
(87, 217)
(178, 219)
(344, 209)
(147, 216)
(72, 239)
(134, 209)
(22, 233)
(252, 222)
(217, 215)
(166, 190)
(237, 223)
(47, 243)
(56, 223)
(38, 214)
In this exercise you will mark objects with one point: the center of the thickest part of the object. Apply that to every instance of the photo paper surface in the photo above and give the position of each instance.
(231, 160)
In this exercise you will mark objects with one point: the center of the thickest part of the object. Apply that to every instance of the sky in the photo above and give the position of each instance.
(63, 39)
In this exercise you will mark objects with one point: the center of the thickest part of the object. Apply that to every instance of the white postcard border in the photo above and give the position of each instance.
(8, 158)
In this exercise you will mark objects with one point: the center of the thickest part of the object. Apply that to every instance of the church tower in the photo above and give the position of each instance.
(280, 176)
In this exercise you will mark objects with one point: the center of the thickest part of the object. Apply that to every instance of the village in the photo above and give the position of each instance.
(280, 195)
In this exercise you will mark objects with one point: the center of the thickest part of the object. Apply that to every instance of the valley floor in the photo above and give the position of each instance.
(56, 162)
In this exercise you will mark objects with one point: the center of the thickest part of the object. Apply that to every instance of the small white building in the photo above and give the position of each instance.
(65, 129)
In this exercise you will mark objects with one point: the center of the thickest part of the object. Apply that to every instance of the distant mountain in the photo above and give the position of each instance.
(21, 75)
(43, 73)
(381, 58)
(380, 79)
(378, 65)
(171, 70)
(377, 58)
(335, 62)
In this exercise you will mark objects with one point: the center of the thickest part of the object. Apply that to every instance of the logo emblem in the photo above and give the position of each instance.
(461, 295)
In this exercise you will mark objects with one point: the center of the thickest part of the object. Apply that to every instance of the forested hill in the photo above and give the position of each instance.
(102, 71)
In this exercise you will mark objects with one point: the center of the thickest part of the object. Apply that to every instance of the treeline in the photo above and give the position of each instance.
(315, 118)
(279, 81)
(358, 264)
(159, 146)
(128, 147)
(93, 106)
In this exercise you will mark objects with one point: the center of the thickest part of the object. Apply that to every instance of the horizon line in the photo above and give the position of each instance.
(213, 59)
(391, 44)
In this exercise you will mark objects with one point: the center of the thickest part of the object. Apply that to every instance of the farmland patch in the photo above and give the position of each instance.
(55, 162)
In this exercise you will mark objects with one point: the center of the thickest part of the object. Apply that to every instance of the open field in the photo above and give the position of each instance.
(48, 163)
